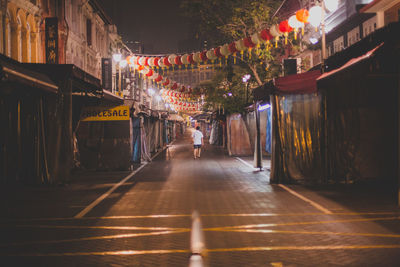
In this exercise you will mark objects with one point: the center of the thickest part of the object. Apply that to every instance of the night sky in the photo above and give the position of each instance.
(155, 23)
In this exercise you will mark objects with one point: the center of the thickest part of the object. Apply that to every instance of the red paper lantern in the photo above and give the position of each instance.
(159, 78)
(232, 48)
(150, 73)
(203, 56)
(284, 26)
(166, 82)
(146, 61)
(166, 62)
(156, 59)
(140, 68)
(190, 59)
(178, 60)
(302, 15)
(266, 35)
(248, 43)
(137, 61)
(217, 52)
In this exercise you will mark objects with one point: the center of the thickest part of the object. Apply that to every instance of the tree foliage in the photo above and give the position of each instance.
(225, 21)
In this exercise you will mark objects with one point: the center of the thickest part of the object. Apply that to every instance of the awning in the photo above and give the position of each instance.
(175, 117)
(13, 71)
(303, 83)
(112, 97)
(201, 117)
(263, 92)
(83, 84)
(351, 63)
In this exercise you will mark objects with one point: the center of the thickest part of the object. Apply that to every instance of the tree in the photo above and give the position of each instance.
(227, 21)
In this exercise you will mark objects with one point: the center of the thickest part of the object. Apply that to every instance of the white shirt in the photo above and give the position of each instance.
(197, 135)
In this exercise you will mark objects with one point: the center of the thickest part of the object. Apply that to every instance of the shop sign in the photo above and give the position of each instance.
(106, 73)
(51, 42)
(119, 113)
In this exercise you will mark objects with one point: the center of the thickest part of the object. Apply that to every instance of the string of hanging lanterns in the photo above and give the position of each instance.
(274, 33)
(181, 96)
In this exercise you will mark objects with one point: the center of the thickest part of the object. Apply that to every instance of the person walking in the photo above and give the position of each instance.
(197, 142)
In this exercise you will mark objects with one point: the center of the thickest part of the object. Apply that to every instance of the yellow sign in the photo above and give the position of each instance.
(119, 113)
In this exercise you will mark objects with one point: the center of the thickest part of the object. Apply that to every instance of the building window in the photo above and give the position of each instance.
(89, 32)
(338, 44)
(369, 26)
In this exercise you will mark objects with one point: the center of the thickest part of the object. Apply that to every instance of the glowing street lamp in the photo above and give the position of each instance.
(117, 57)
(317, 17)
(120, 64)
(245, 79)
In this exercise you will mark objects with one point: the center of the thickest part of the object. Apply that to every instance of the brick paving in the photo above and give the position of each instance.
(147, 220)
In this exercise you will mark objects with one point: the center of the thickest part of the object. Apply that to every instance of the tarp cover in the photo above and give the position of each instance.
(351, 63)
(175, 117)
(297, 126)
(303, 83)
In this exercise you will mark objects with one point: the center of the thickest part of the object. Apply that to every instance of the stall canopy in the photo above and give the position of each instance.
(83, 84)
(175, 117)
(13, 71)
(352, 63)
(201, 117)
(263, 92)
(303, 83)
(112, 97)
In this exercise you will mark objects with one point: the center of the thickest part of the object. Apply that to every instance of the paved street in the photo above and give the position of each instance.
(146, 220)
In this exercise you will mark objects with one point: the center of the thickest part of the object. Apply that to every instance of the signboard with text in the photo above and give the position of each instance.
(106, 73)
(51, 32)
(119, 113)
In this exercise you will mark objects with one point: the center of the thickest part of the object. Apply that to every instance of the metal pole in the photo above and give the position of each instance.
(323, 43)
(119, 80)
(247, 92)
(258, 138)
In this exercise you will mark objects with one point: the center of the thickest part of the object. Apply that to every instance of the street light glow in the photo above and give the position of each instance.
(246, 78)
(123, 63)
(151, 91)
(117, 57)
(331, 5)
(315, 17)
(313, 40)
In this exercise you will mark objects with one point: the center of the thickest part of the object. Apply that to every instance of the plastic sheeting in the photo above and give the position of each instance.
(136, 140)
(297, 124)
(268, 132)
(362, 119)
(214, 133)
(238, 136)
(145, 147)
